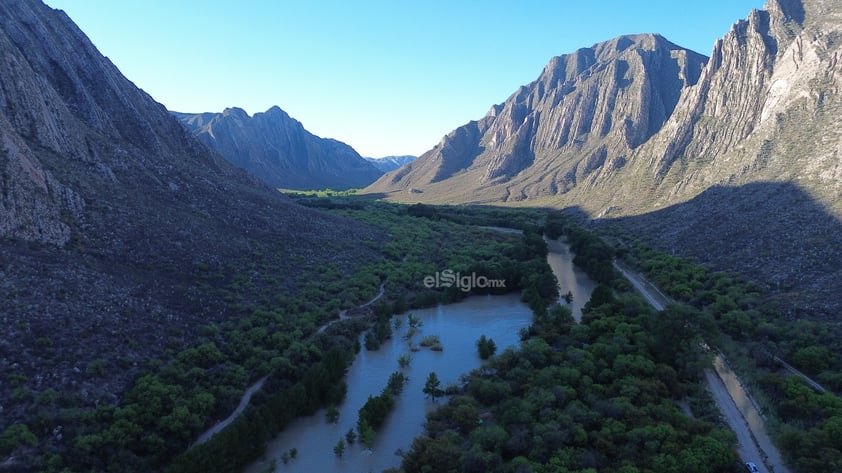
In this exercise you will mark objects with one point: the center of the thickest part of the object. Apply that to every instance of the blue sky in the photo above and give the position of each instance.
(386, 77)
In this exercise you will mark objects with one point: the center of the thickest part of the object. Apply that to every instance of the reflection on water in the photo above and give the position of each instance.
(570, 278)
(458, 326)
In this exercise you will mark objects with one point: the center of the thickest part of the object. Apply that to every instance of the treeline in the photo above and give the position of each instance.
(521, 219)
(597, 396)
(377, 408)
(426, 240)
(593, 255)
(238, 445)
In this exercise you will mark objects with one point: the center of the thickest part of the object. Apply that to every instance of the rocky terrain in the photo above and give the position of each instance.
(117, 227)
(278, 150)
(665, 140)
(582, 117)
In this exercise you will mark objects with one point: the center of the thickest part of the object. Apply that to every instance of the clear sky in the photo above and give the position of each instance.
(386, 77)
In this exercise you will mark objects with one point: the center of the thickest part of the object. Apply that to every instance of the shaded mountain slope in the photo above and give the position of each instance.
(770, 232)
(117, 227)
(278, 150)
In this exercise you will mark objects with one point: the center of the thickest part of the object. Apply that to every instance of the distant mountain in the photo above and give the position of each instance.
(390, 163)
(277, 149)
(118, 228)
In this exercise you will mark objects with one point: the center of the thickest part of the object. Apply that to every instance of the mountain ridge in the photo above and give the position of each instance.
(740, 102)
(562, 124)
(277, 149)
(390, 163)
(764, 109)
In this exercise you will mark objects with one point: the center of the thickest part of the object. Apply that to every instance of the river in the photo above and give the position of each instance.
(458, 326)
(570, 278)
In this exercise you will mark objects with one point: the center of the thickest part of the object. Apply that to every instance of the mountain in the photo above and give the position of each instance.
(277, 149)
(637, 123)
(583, 116)
(390, 163)
(117, 227)
(635, 128)
(766, 109)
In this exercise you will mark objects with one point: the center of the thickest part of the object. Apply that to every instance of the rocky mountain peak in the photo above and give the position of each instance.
(611, 96)
(786, 11)
(277, 149)
(235, 112)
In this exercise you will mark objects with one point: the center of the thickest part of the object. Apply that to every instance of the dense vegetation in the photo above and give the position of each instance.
(752, 333)
(377, 408)
(278, 333)
(598, 396)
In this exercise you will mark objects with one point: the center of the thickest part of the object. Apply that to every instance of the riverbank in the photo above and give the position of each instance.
(458, 326)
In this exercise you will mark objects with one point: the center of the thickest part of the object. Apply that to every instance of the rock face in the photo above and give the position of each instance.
(584, 116)
(390, 163)
(116, 223)
(747, 172)
(636, 123)
(766, 109)
(277, 149)
(641, 132)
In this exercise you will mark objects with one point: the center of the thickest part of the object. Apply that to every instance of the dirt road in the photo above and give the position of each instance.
(735, 403)
(746, 448)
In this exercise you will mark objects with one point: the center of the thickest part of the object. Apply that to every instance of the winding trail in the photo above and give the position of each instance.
(239, 410)
(244, 401)
(731, 396)
(343, 314)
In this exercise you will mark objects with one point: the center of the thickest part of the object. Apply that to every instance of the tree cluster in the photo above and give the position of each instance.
(486, 347)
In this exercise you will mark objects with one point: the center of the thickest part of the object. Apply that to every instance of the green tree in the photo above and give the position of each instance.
(486, 347)
(366, 432)
(432, 387)
(351, 437)
(332, 414)
(16, 435)
(339, 448)
(396, 382)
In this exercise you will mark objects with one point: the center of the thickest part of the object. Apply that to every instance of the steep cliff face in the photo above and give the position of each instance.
(766, 109)
(738, 163)
(117, 227)
(636, 123)
(586, 112)
(277, 149)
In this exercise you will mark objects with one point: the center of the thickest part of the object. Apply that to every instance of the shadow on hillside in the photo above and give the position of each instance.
(773, 233)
